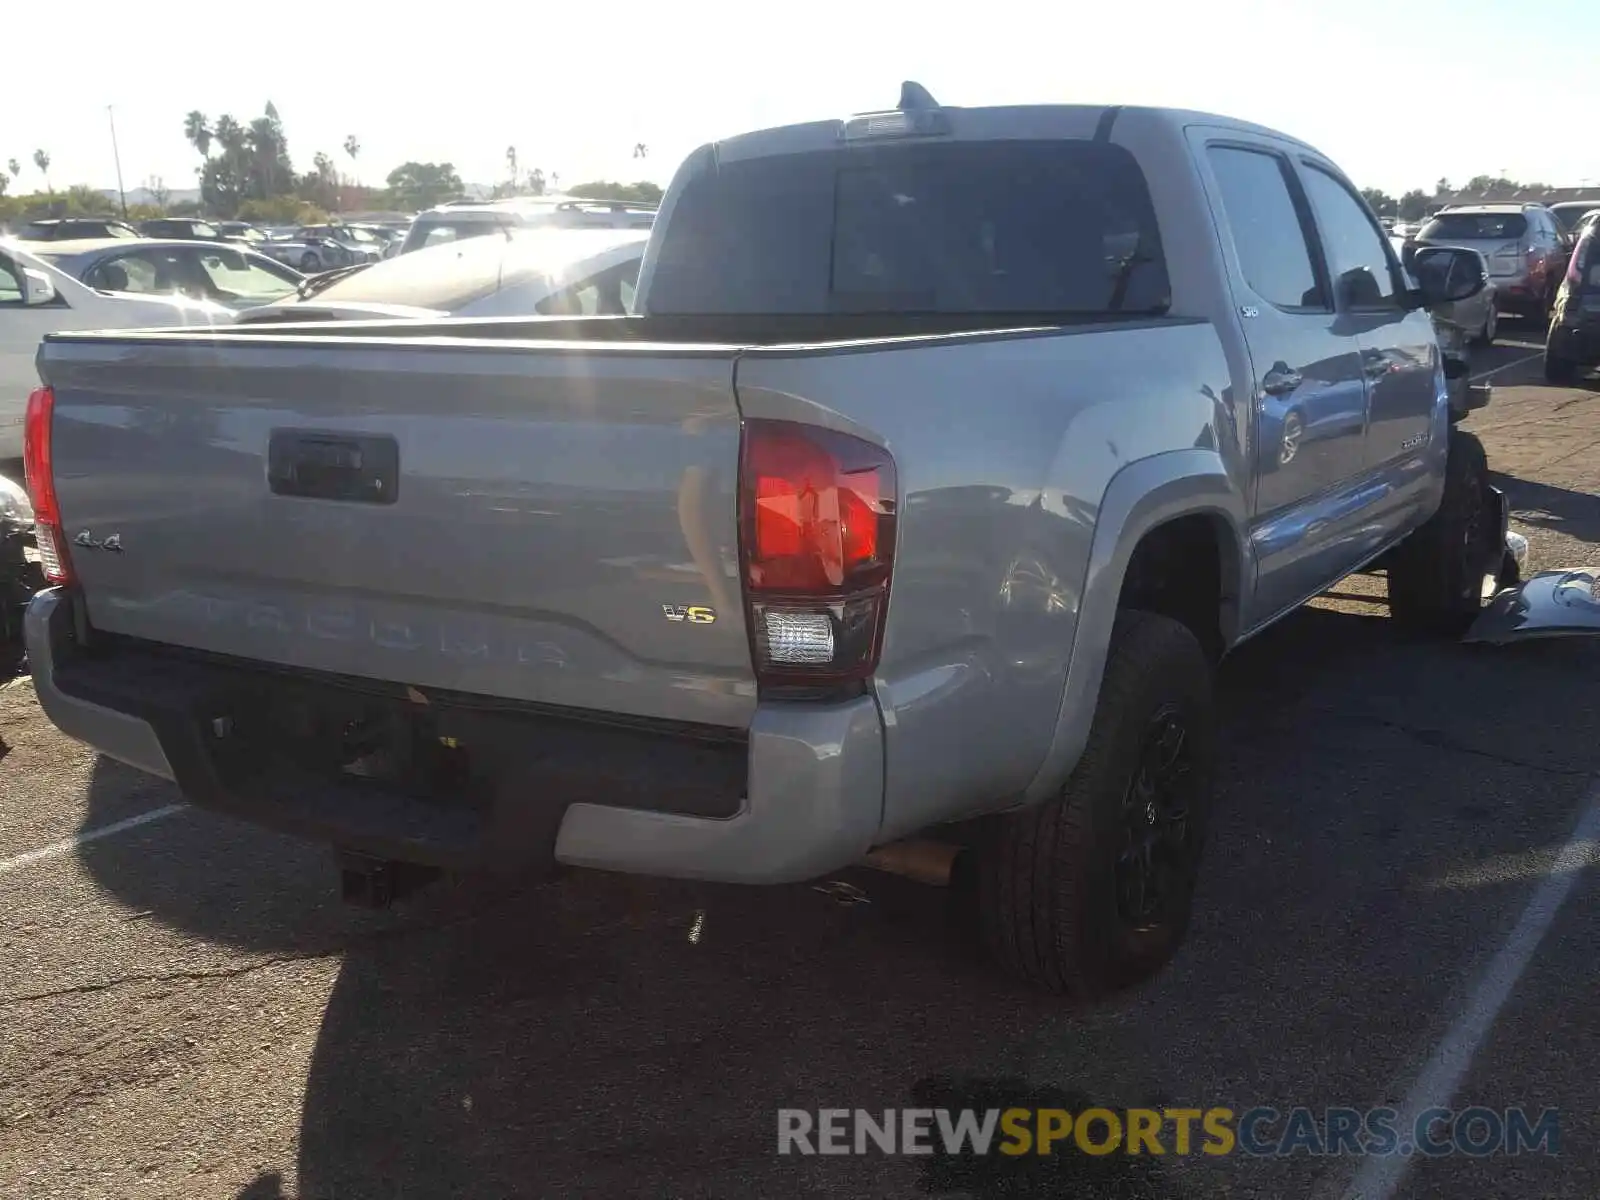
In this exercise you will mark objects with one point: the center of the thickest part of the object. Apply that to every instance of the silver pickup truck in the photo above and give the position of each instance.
(946, 454)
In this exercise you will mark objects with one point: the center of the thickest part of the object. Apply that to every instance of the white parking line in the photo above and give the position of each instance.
(1482, 375)
(1379, 1177)
(67, 845)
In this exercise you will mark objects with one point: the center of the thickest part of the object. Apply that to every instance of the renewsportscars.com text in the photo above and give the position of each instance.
(1258, 1132)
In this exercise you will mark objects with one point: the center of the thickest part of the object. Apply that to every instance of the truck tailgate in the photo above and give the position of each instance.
(551, 523)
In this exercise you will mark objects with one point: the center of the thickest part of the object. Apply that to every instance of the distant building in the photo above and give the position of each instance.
(1502, 195)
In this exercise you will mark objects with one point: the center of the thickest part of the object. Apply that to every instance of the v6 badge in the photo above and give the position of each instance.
(695, 614)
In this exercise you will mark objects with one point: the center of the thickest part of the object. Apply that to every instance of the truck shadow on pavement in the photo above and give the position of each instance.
(1575, 514)
(605, 1035)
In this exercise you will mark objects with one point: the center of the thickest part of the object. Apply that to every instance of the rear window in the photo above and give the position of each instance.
(1569, 217)
(1475, 226)
(1043, 228)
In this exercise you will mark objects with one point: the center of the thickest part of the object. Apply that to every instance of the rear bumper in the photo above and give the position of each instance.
(1517, 294)
(800, 794)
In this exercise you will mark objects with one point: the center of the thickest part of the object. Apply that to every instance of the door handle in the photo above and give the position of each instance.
(1281, 380)
(361, 468)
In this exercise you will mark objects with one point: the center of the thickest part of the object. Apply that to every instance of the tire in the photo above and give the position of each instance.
(1559, 370)
(1059, 905)
(1437, 575)
(1491, 326)
(309, 262)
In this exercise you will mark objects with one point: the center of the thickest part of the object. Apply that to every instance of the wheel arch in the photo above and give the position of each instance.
(1168, 499)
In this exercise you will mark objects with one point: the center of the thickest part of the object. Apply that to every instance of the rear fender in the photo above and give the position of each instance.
(1140, 497)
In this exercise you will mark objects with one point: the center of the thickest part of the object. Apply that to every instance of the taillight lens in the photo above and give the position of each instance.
(39, 470)
(816, 545)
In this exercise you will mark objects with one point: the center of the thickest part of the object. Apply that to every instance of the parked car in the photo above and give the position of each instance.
(360, 241)
(66, 229)
(222, 272)
(1522, 243)
(455, 222)
(36, 298)
(1573, 343)
(1458, 326)
(1569, 213)
(316, 248)
(183, 228)
(925, 493)
(1474, 321)
(389, 239)
(553, 272)
(242, 232)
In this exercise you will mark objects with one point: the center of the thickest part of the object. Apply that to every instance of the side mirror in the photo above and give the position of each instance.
(37, 288)
(1447, 275)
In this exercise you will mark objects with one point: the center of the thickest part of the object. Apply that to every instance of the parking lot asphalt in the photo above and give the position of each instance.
(189, 1012)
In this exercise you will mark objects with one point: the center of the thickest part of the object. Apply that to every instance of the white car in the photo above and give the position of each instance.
(516, 273)
(37, 298)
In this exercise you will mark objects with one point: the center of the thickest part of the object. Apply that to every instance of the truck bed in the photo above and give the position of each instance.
(558, 493)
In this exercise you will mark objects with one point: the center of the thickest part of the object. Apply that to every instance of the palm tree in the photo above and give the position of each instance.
(228, 133)
(511, 166)
(14, 167)
(198, 130)
(352, 147)
(42, 161)
(266, 141)
(640, 150)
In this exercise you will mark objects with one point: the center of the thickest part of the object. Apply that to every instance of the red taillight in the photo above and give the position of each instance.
(39, 470)
(816, 545)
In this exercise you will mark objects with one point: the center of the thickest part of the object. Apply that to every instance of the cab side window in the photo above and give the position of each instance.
(1359, 258)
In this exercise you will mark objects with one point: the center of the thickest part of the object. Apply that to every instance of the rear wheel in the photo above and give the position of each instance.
(1437, 576)
(309, 262)
(1092, 891)
(1557, 369)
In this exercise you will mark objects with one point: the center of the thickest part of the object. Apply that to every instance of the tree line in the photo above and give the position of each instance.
(246, 172)
(1415, 204)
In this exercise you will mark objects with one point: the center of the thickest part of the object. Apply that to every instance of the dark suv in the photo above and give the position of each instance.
(1573, 343)
(72, 229)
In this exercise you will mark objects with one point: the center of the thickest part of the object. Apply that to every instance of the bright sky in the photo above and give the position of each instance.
(1398, 93)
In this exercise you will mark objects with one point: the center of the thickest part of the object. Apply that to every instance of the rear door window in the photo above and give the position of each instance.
(1043, 228)
(1268, 236)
